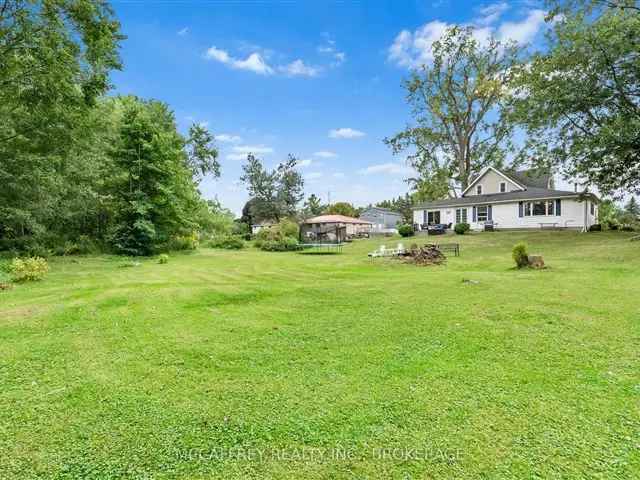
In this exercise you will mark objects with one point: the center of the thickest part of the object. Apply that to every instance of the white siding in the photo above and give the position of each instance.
(490, 183)
(574, 214)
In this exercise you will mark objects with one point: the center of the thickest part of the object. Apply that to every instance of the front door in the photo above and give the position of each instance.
(433, 217)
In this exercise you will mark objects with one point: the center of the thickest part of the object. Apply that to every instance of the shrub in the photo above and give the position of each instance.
(163, 258)
(184, 242)
(405, 230)
(612, 225)
(628, 228)
(596, 227)
(283, 229)
(229, 242)
(242, 230)
(287, 244)
(520, 255)
(462, 228)
(28, 269)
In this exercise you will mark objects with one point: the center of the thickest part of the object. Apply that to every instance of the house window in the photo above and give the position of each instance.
(433, 217)
(503, 187)
(538, 209)
(550, 204)
(593, 208)
(479, 189)
(483, 213)
(461, 215)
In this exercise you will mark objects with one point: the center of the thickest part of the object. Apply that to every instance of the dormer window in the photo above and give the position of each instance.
(479, 190)
(503, 187)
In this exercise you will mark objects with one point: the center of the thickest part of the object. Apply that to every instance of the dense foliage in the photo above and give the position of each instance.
(82, 172)
(342, 208)
(280, 237)
(580, 100)
(275, 194)
(456, 103)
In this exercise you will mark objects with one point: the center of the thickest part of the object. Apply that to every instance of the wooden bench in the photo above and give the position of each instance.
(549, 225)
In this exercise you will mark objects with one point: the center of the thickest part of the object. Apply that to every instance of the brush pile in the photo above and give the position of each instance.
(423, 256)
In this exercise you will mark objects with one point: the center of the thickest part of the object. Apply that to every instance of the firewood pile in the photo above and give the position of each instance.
(423, 256)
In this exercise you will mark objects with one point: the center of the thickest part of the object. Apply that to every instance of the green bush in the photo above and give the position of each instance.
(183, 242)
(28, 269)
(596, 227)
(283, 229)
(163, 259)
(229, 242)
(628, 228)
(287, 244)
(461, 228)
(405, 230)
(520, 255)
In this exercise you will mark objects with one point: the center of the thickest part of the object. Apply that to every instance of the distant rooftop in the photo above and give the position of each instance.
(336, 219)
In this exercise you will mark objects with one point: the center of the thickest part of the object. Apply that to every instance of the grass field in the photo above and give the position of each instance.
(283, 365)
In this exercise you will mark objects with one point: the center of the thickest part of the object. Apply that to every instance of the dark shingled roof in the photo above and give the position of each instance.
(530, 178)
(531, 193)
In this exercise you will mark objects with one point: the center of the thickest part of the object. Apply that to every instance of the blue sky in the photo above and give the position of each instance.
(321, 80)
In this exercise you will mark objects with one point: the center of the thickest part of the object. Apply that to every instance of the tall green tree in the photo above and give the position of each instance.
(202, 155)
(457, 105)
(579, 102)
(342, 208)
(274, 194)
(155, 194)
(313, 205)
(632, 208)
(55, 58)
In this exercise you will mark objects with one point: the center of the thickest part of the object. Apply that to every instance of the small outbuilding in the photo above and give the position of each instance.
(383, 219)
(333, 228)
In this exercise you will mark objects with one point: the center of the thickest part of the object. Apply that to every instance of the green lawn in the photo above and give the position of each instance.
(283, 365)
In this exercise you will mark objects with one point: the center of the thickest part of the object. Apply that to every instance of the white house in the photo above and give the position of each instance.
(513, 200)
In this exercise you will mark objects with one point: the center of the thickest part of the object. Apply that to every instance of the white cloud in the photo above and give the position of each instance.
(255, 149)
(228, 138)
(345, 133)
(254, 62)
(183, 32)
(313, 175)
(325, 154)
(413, 49)
(236, 156)
(491, 13)
(299, 68)
(388, 168)
(524, 31)
(306, 162)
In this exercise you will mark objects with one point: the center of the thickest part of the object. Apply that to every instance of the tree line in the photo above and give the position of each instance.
(80, 169)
